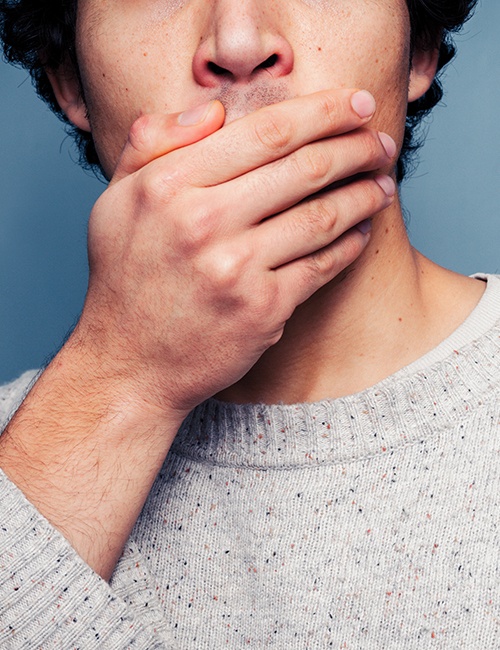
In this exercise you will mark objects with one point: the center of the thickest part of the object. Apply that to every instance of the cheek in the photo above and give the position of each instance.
(363, 51)
(104, 99)
(337, 43)
(107, 96)
(388, 81)
(124, 75)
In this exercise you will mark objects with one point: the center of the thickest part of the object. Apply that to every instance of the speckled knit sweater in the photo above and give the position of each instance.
(367, 522)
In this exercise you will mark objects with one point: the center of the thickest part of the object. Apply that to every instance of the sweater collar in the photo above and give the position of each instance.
(429, 396)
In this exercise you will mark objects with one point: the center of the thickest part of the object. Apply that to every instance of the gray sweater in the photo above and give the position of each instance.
(367, 522)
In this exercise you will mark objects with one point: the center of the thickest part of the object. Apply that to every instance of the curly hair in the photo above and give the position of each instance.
(31, 27)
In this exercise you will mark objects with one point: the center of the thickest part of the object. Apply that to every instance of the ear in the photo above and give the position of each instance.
(67, 91)
(423, 70)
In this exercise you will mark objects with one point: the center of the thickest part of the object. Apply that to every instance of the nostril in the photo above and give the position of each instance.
(221, 72)
(216, 69)
(232, 57)
(268, 63)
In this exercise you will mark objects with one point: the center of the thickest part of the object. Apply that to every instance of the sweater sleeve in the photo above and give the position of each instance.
(49, 597)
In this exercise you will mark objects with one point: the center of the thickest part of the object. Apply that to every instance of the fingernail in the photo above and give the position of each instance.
(388, 144)
(363, 103)
(195, 115)
(364, 226)
(387, 184)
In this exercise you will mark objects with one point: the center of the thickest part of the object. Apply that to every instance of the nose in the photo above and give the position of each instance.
(242, 42)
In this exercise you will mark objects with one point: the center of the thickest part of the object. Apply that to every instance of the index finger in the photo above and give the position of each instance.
(274, 132)
(155, 135)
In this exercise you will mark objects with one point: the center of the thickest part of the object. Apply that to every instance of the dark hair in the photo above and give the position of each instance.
(41, 33)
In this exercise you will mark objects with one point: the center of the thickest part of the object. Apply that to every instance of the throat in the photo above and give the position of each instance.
(386, 311)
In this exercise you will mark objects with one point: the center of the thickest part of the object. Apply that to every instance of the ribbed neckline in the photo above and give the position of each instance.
(429, 395)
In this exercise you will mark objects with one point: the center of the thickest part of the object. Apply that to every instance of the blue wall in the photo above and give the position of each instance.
(452, 200)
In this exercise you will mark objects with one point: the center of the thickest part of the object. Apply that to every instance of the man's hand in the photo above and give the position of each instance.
(199, 257)
(200, 250)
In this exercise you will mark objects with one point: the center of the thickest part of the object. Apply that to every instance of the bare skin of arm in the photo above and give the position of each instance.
(201, 248)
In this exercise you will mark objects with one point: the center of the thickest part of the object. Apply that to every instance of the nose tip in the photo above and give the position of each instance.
(241, 52)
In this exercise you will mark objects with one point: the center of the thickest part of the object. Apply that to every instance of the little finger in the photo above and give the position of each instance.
(317, 222)
(300, 279)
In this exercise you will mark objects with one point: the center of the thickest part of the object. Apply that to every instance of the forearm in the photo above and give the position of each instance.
(190, 282)
(85, 450)
(50, 598)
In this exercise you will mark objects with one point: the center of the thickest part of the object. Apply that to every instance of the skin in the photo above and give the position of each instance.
(212, 237)
(305, 36)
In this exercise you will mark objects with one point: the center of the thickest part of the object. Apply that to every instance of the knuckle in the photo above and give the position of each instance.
(314, 166)
(151, 187)
(319, 218)
(274, 132)
(329, 262)
(263, 313)
(373, 146)
(224, 268)
(351, 246)
(315, 266)
(198, 228)
(138, 137)
(156, 185)
(330, 111)
(367, 199)
(310, 275)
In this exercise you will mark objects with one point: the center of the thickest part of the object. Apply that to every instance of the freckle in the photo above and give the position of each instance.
(103, 74)
(400, 320)
(319, 49)
(144, 54)
(386, 231)
(377, 251)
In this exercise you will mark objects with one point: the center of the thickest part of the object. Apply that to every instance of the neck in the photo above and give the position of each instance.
(386, 310)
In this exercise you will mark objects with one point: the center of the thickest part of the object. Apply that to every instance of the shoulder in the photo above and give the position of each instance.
(13, 393)
(485, 319)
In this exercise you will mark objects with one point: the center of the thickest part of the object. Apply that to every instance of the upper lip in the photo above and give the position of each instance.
(240, 100)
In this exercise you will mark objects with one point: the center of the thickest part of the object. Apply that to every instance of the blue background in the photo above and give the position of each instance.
(451, 201)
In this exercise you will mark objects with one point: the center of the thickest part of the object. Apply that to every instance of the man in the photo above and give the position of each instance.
(340, 490)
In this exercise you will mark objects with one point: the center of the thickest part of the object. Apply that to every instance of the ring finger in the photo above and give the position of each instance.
(320, 220)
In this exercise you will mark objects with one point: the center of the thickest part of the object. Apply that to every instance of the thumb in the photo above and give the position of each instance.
(155, 135)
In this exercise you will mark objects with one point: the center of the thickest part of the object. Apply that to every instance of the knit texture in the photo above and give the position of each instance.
(365, 522)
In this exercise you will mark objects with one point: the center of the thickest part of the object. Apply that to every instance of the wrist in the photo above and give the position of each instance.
(85, 448)
(106, 383)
